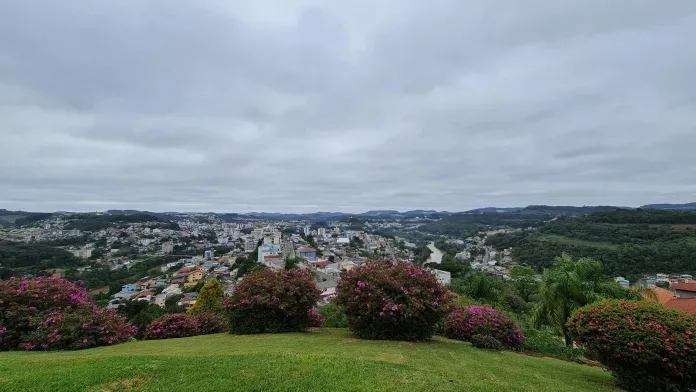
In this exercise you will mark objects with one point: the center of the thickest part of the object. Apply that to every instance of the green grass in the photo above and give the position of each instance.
(321, 360)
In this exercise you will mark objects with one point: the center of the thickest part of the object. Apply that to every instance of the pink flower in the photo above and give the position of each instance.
(394, 308)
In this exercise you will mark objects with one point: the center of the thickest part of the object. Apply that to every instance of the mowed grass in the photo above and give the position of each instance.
(320, 360)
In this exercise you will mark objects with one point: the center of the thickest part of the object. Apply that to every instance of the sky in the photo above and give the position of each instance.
(302, 106)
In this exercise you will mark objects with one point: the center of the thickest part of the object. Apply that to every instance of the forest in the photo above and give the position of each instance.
(627, 243)
(20, 258)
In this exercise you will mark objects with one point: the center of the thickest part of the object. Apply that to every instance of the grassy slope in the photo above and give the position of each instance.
(575, 241)
(322, 360)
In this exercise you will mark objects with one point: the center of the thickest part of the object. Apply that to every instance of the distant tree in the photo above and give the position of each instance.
(292, 262)
(525, 283)
(210, 299)
(480, 286)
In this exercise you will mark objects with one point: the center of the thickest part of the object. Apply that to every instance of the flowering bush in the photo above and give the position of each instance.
(387, 301)
(486, 342)
(315, 319)
(177, 325)
(647, 347)
(465, 322)
(210, 323)
(273, 301)
(52, 314)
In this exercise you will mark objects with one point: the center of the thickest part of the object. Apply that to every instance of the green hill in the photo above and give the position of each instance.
(321, 360)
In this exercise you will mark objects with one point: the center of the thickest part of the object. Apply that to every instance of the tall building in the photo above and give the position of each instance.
(209, 254)
(307, 230)
(167, 248)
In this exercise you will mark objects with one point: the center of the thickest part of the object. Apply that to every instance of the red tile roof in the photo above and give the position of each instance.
(144, 294)
(305, 250)
(662, 296)
(691, 286)
(687, 305)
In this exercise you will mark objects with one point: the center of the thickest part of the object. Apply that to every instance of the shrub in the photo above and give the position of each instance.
(315, 319)
(463, 323)
(486, 342)
(386, 301)
(273, 301)
(647, 347)
(209, 323)
(546, 342)
(210, 299)
(333, 316)
(52, 314)
(178, 325)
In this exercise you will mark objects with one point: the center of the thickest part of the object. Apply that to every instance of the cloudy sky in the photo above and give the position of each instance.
(295, 105)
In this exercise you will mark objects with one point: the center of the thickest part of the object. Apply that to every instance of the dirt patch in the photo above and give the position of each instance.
(125, 385)
(349, 340)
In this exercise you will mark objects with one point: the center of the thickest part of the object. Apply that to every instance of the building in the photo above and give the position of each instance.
(167, 248)
(209, 254)
(129, 288)
(622, 281)
(309, 254)
(444, 277)
(195, 276)
(83, 253)
(684, 290)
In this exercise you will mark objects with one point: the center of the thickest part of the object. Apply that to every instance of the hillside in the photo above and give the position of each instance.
(628, 243)
(322, 360)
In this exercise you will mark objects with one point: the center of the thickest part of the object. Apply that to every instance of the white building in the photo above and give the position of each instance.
(167, 248)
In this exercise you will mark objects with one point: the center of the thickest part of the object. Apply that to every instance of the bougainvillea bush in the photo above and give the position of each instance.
(315, 318)
(273, 301)
(392, 301)
(210, 323)
(647, 347)
(177, 325)
(465, 322)
(53, 314)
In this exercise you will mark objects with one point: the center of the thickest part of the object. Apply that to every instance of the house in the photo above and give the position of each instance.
(188, 300)
(307, 253)
(195, 276)
(144, 296)
(129, 288)
(684, 290)
(622, 281)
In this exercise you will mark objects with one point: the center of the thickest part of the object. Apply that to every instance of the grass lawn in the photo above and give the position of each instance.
(320, 360)
(575, 241)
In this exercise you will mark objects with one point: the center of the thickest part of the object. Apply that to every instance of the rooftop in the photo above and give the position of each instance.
(306, 250)
(690, 286)
(687, 305)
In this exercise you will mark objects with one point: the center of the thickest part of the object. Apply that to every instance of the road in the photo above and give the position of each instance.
(436, 256)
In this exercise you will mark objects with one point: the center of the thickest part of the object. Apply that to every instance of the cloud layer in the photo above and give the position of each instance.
(297, 106)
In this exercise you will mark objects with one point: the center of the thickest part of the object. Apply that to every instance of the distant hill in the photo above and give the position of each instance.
(676, 207)
(21, 218)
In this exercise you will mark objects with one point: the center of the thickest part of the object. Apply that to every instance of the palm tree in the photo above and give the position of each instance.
(569, 285)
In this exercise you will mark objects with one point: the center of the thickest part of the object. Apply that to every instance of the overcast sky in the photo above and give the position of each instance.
(299, 106)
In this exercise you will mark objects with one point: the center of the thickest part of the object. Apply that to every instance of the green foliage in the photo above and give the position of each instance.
(480, 286)
(647, 347)
(486, 342)
(546, 342)
(333, 316)
(24, 258)
(140, 314)
(210, 299)
(627, 243)
(569, 285)
(93, 222)
(525, 282)
(292, 262)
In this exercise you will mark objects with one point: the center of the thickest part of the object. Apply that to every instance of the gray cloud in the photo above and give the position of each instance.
(302, 106)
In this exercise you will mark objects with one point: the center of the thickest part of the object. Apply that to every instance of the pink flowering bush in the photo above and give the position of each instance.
(466, 322)
(647, 347)
(392, 301)
(273, 301)
(177, 325)
(315, 318)
(209, 323)
(54, 314)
